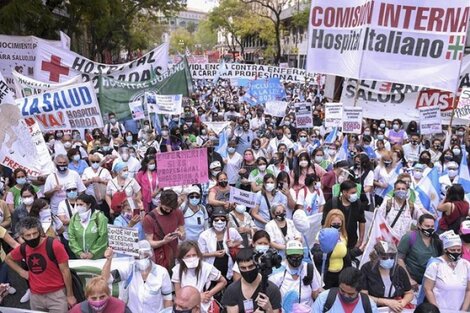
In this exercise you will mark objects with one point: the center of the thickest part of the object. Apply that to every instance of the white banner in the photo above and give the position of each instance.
(248, 71)
(430, 121)
(276, 108)
(123, 240)
(463, 108)
(217, 127)
(303, 115)
(26, 86)
(137, 110)
(333, 114)
(378, 39)
(403, 105)
(352, 120)
(6, 96)
(58, 65)
(71, 107)
(243, 197)
(163, 104)
(19, 53)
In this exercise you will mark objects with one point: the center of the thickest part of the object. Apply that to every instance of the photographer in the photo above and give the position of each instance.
(246, 294)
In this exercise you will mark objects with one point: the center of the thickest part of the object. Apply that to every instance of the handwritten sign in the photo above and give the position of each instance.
(333, 114)
(242, 197)
(123, 240)
(303, 115)
(185, 167)
(430, 120)
(352, 120)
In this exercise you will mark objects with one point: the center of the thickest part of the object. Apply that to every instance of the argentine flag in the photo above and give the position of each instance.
(464, 175)
(343, 153)
(223, 144)
(429, 190)
(332, 136)
(391, 180)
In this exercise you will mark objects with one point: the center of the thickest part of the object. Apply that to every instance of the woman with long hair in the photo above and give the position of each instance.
(454, 209)
(267, 196)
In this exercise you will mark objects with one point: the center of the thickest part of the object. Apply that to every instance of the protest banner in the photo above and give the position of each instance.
(19, 53)
(463, 107)
(6, 96)
(26, 86)
(54, 64)
(163, 104)
(115, 95)
(264, 90)
(333, 114)
(430, 121)
(276, 108)
(352, 120)
(184, 167)
(137, 110)
(248, 71)
(217, 127)
(71, 107)
(303, 115)
(377, 39)
(401, 104)
(123, 240)
(243, 197)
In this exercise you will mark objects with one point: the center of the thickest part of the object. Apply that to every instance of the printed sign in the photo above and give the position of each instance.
(264, 90)
(303, 115)
(137, 110)
(179, 168)
(123, 240)
(243, 197)
(217, 127)
(71, 107)
(377, 39)
(26, 86)
(463, 108)
(333, 114)
(430, 121)
(352, 120)
(163, 104)
(276, 108)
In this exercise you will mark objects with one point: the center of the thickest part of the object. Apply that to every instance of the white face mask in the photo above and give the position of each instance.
(270, 186)
(84, 216)
(317, 185)
(318, 159)
(303, 163)
(219, 226)
(81, 209)
(261, 248)
(191, 262)
(262, 168)
(142, 264)
(28, 200)
(95, 165)
(240, 209)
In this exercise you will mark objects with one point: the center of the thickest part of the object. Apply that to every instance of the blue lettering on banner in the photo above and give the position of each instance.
(264, 90)
(56, 101)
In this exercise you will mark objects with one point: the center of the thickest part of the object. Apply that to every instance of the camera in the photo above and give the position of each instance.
(266, 261)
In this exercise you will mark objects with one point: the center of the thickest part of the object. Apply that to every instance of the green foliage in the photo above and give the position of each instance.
(300, 19)
(191, 27)
(180, 40)
(205, 35)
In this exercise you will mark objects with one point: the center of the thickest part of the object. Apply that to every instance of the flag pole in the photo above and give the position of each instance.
(457, 87)
(356, 93)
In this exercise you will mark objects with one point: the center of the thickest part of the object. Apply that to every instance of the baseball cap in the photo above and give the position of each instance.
(294, 247)
(214, 165)
(465, 227)
(193, 189)
(341, 164)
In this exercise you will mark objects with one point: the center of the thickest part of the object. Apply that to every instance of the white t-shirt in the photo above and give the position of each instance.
(316, 198)
(131, 187)
(64, 180)
(89, 173)
(207, 274)
(63, 211)
(286, 283)
(450, 284)
(232, 167)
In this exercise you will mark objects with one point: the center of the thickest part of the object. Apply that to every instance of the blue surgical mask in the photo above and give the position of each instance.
(231, 150)
(353, 198)
(72, 195)
(261, 248)
(21, 180)
(303, 139)
(194, 201)
(387, 264)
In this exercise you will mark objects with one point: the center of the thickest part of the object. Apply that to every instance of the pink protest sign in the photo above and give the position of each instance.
(182, 168)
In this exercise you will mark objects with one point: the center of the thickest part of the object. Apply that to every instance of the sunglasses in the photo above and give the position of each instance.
(388, 256)
(72, 189)
(219, 220)
(194, 197)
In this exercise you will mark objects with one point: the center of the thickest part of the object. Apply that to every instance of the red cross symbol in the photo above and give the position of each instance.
(54, 68)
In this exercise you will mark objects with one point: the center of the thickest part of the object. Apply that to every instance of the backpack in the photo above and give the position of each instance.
(77, 285)
(118, 198)
(333, 292)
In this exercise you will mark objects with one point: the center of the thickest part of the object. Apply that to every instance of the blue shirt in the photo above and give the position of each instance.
(263, 210)
(121, 221)
(79, 168)
(337, 306)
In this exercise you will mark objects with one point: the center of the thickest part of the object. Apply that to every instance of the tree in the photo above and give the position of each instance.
(300, 18)
(271, 9)
(191, 27)
(205, 35)
(180, 40)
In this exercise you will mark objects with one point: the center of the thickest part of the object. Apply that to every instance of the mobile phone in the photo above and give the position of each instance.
(280, 186)
(136, 212)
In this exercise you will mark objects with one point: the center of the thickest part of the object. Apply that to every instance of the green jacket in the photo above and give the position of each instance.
(93, 239)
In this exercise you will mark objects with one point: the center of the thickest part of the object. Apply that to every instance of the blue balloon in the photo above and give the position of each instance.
(328, 239)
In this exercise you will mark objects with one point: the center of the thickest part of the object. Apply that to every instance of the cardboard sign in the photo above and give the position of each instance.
(185, 167)
(303, 115)
(163, 104)
(137, 110)
(333, 114)
(239, 196)
(276, 108)
(352, 120)
(123, 240)
(430, 121)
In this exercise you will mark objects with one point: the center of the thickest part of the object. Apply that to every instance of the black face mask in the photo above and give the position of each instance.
(281, 217)
(33, 243)
(62, 168)
(223, 183)
(294, 261)
(465, 238)
(453, 256)
(427, 232)
(164, 212)
(181, 311)
(337, 226)
(250, 276)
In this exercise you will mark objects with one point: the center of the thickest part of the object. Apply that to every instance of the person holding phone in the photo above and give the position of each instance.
(130, 218)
